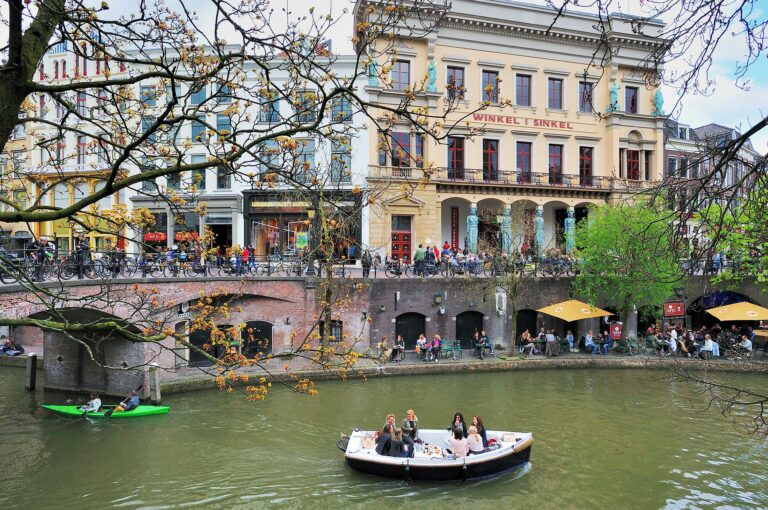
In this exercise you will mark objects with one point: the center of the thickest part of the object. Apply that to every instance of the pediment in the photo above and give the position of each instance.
(404, 201)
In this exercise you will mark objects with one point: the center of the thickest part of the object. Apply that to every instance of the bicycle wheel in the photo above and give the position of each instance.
(392, 271)
(410, 272)
(68, 269)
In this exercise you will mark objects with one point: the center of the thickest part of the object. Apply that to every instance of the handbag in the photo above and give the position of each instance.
(417, 349)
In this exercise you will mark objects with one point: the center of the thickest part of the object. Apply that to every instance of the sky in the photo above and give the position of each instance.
(728, 103)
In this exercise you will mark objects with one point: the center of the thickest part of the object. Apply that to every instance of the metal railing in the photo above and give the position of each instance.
(504, 177)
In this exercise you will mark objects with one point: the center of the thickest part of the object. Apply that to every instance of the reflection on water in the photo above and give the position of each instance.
(603, 439)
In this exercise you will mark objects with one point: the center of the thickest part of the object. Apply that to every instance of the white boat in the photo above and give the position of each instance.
(432, 459)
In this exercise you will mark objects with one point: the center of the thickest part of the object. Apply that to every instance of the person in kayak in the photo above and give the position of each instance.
(93, 405)
(131, 402)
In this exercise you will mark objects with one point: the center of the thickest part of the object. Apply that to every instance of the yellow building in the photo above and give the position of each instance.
(16, 188)
(558, 134)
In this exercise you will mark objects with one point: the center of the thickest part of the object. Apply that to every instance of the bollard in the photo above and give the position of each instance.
(154, 384)
(29, 384)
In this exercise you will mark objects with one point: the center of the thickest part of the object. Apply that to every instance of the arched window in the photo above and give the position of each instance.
(63, 68)
(77, 65)
(56, 70)
(42, 71)
(106, 202)
(61, 195)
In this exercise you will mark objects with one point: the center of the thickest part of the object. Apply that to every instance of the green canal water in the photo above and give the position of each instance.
(603, 439)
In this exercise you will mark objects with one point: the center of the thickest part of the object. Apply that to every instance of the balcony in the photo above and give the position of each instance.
(516, 178)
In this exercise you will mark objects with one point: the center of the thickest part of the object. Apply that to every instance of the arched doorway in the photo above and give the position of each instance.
(257, 338)
(201, 337)
(467, 323)
(526, 319)
(410, 325)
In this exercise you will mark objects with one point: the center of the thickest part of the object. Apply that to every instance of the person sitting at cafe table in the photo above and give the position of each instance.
(745, 346)
(551, 345)
(607, 342)
(707, 349)
(421, 347)
(569, 339)
(589, 343)
(526, 343)
(487, 341)
(481, 343)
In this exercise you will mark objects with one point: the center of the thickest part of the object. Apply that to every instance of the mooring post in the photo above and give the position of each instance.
(29, 384)
(154, 384)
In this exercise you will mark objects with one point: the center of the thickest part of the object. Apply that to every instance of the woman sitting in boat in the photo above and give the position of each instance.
(397, 446)
(458, 423)
(411, 424)
(459, 445)
(477, 422)
(132, 402)
(93, 405)
(384, 439)
(474, 441)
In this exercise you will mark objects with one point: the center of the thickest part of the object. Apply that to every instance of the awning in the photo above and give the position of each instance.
(740, 312)
(573, 310)
(185, 236)
(155, 237)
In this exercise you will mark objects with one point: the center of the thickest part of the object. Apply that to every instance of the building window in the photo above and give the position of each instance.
(341, 159)
(149, 185)
(555, 164)
(555, 93)
(382, 148)
(173, 181)
(336, 331)
(305, 161)
(107, 201)
(695, 166)
(419, 150)
(61, 195)
(306, 108)
(270, 111)
(682, 133)
(81, 98)
(101, 153)
(630, 99)
(198, 95)
(491, 86)
(401, 149)
(401, 75)
(56, 70)
(224, 95)
(172, 93)
(524, 161)
(198, 175)
(81, 150)
(341, 109)
(41, 76)
(633, 165)
(223, 125)
(455, 83)
(43, 109)
(490, 160)
(198, 130)
(223, 178)
(269, 154)
(149, 95)
(648, 159)
(455, 157)
(585, 166)
(523, 90)
(585, 97)
(671, 167)
(684, 167)
(146, 124)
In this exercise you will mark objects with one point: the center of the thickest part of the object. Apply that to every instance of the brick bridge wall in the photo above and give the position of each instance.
(290, 305)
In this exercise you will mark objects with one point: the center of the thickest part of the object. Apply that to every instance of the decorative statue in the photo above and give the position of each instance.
(614, 104)
(373, 73)
(570, 224)
(658, 103)
(539, 229)
(472, 230)
(432, 84)
(506, 231)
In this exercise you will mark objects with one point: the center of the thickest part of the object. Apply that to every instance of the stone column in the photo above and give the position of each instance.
(472, 229)
(539, 229)
(570, 224)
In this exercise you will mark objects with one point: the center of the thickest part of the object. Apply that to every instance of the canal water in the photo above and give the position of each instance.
(603, 439)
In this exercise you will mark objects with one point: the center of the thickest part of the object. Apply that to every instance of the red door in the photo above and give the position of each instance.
(401, 238)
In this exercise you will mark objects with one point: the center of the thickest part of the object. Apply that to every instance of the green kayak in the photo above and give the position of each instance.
(142, 410)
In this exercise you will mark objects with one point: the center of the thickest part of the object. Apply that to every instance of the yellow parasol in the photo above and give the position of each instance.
(740, 312)
(573, 310)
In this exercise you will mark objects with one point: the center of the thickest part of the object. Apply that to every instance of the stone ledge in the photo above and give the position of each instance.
(448, 367)
(18, 361)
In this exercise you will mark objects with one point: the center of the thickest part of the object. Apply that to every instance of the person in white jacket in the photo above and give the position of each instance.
(93, 405)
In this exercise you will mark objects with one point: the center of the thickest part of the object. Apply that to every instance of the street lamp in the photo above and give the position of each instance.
(311, 255)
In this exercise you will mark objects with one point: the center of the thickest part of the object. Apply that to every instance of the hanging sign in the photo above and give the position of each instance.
(674, 309)
(302, 240)
(454, 226)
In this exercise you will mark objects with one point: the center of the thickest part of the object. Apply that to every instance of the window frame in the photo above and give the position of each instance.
(555, 94)
(633, 165)
(455, 84)
(586, 165)
(401, 74)
(586, 92)
(493, 95)
(490, 159)
(523, 89)
(555, 153)
(400, 141)
(631, 99)
(524, 161)
(455, 160)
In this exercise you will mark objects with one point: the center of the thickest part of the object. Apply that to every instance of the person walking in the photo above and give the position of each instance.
(366, 262)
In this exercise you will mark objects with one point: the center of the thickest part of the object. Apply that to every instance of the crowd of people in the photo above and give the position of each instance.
(404, 441)
(429, 350)
(704, 342)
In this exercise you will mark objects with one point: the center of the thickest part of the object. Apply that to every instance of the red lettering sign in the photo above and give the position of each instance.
(615, 332)
(674, 309)
(455, 226)
(519, 121)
